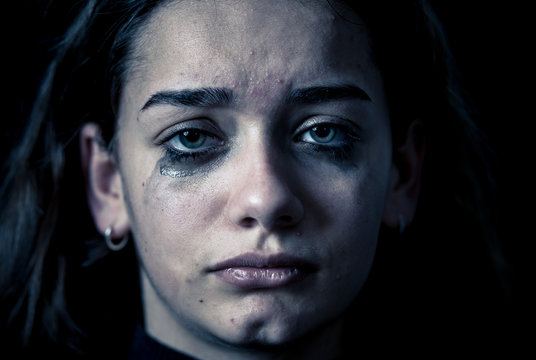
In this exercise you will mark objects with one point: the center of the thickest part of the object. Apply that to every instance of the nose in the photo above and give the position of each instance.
(262, 193)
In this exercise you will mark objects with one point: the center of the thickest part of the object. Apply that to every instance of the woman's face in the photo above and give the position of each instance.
(255, 156)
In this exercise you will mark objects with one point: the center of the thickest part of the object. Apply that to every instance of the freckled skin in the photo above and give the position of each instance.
(187, 218)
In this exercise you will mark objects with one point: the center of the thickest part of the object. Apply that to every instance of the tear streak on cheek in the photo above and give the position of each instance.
(174, 173)
(178, 176)
(168, 182)
(188, 175)
(167, 167)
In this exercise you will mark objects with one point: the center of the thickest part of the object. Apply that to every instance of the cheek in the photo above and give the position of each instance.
(352, 210)
(169, 215)
(352, 201)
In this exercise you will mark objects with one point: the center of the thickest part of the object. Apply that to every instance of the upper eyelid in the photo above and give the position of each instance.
(210, 128)
(324, 119)
(339, 122)
(170, 132)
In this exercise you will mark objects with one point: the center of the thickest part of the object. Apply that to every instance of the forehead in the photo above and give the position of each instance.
(243, 42)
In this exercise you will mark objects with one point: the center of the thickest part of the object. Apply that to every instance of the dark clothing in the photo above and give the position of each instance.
(145, 347)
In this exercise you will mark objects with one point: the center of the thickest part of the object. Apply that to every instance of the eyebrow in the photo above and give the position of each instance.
(319, 94)
(203, 97)
(209, 97)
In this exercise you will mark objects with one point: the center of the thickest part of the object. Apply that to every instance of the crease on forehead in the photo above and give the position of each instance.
(234, 22)
(161, 28)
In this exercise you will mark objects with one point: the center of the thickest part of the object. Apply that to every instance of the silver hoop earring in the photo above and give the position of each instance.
(401, 224)
(113, 246)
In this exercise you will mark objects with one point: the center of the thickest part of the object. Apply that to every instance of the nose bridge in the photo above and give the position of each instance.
(264, 178)
(263, 192)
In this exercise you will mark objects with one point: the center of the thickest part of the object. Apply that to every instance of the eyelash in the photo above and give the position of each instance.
(340, 152)
(336, 152)
(180, 156)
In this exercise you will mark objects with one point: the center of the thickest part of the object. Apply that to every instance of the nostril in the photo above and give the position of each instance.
(265, 200)
(248, 222)
(285, 219)
(282, 221)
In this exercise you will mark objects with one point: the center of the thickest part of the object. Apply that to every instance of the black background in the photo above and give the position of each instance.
(490, 41)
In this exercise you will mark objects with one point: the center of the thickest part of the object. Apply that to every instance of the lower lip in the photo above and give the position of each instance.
(260, 278)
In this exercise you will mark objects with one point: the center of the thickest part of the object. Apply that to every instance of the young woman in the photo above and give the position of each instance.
(283, 179)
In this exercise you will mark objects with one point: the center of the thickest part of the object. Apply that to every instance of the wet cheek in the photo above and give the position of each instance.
(173, 232)
(157, 217)
(173, 212)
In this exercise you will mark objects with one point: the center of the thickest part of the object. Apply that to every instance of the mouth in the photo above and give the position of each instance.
(252, 271)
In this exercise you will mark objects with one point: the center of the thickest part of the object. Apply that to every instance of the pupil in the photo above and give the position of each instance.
(322, 131)
(192, 135)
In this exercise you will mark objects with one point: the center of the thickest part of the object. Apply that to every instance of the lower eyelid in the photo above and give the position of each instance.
(343, 152)
(185, 157)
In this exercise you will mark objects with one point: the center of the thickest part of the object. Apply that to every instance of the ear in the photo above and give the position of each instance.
(103, 183)
(406, 178)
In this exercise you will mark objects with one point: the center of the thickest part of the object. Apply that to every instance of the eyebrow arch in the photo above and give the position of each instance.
(319, 94)
(203, 97)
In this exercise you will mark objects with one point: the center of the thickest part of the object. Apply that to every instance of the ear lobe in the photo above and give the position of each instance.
(103, 183)
(406, 174)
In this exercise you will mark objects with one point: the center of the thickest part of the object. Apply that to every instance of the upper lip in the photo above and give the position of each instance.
(254, 260)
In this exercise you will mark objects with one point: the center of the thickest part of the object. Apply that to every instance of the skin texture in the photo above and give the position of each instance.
(263, 188)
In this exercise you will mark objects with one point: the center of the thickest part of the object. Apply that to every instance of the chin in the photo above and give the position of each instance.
(276, 319)
(261, 333)
(271, 334)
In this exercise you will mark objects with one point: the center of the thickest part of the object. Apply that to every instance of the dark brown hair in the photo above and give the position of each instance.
(47, 235)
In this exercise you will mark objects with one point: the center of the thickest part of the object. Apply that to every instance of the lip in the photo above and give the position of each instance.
(254, 271)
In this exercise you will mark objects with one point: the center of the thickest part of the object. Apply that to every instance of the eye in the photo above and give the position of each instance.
(325, 134)
(192, 140)
(321, 134)
(333, 137)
